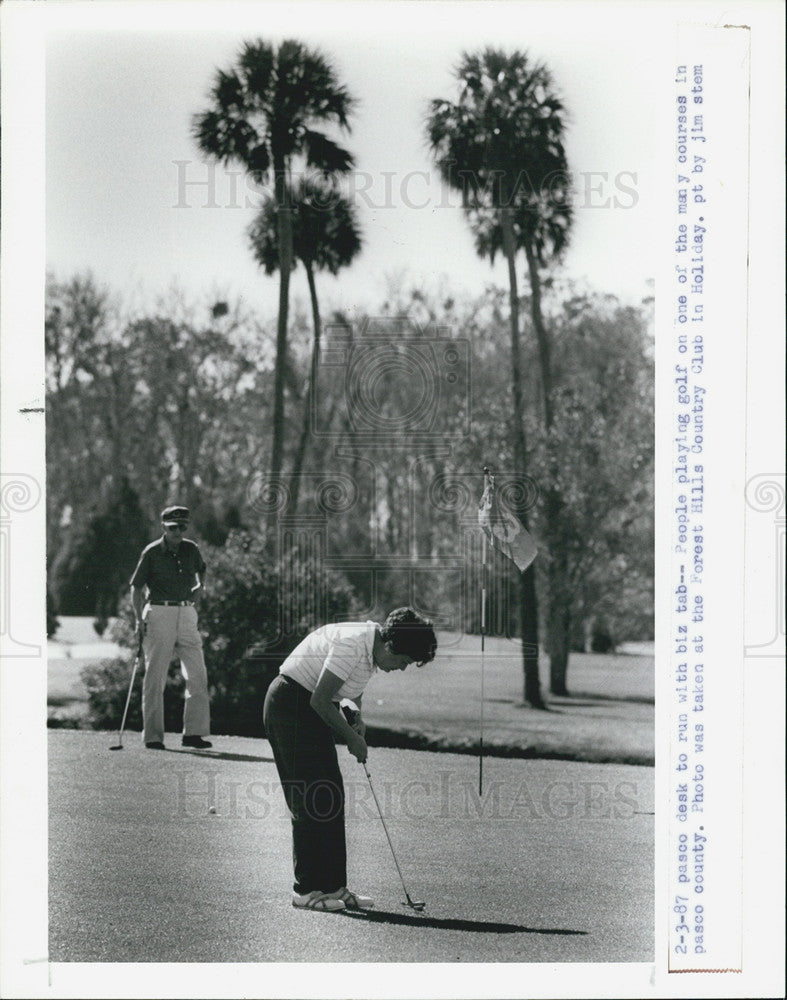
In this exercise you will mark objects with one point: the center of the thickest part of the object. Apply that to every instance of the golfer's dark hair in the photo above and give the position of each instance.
(405, 631)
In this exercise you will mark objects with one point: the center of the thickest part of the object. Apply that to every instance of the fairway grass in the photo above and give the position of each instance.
(609, 715)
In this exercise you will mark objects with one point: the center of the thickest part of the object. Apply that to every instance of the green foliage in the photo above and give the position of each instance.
(94, 566)
(264, 110)
(252, 616)
(602, 448)
(501, 145)
(141, 410)
(326, 234)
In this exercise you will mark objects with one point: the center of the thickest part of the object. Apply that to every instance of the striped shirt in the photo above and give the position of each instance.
(345, 649)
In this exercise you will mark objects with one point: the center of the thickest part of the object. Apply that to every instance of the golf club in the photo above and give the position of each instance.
(128, 696)
(414, 904)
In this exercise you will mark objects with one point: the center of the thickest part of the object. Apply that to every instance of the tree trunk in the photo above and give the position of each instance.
(559, 611)
(528, 597)
(559, 627)
(284, 221)
(544, 347)
(529, 615)
(300, 454)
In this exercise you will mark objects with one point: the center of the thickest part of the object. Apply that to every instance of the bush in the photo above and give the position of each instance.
(95, 561)
(251, 618)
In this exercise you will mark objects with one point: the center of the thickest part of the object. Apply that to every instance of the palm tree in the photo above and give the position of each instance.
(501, 145)
(541, 228)
(263, 116)
(540, 224)
(325, 237)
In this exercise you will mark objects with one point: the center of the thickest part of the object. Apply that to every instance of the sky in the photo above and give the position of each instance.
(127, 190)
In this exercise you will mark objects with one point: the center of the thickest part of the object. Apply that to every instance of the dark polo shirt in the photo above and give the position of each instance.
(169, 575)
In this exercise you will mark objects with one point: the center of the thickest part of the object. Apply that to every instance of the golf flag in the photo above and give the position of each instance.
(504, 531)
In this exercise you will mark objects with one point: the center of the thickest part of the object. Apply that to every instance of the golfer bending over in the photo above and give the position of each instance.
(302, 716)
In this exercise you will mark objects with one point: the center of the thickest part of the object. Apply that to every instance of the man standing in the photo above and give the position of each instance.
(172, 571)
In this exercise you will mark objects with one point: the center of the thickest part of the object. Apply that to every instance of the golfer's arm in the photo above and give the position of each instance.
(198, 590)
(323, 703)
(359, 719)
(137, 601)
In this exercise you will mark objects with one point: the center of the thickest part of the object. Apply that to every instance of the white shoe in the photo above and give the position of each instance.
(316, 900)
(352, 900)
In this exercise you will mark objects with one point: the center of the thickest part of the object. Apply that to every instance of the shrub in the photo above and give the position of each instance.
(252, 616)
(95, 561)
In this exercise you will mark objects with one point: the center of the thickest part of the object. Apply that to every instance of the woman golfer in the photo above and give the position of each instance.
(302, 717)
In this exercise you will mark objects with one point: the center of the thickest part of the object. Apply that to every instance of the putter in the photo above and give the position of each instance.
(351, 714)
(128, 696)
(414, 904)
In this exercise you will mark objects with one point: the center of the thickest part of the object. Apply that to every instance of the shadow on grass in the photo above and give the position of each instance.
(220, 755)
(578, 699)
(634, 699)
(452, 924)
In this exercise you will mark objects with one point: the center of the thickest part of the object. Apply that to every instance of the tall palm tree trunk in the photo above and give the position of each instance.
(559, 615)
(300, 453)
(528, 600)
(284, 222)
(542, 337)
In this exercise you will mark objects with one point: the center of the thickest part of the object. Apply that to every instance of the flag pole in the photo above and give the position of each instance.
(483, 634)
(508, 535)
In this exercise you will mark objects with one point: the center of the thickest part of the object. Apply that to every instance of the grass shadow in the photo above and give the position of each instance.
(221, 755)
(452, 924)
(593, 699)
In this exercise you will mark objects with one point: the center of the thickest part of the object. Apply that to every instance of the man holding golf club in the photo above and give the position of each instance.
(171, 572)
(302, 717)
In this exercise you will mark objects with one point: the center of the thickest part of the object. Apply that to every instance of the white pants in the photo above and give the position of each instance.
(171, 632)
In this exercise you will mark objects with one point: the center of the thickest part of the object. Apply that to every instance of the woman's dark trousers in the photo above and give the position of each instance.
(305, 754)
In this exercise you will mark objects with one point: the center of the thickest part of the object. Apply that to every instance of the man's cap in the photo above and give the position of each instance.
(175, 515)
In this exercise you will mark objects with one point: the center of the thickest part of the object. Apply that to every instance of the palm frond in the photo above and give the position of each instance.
(325, 155)
(501, 144)
(325, 230)
(257, 65)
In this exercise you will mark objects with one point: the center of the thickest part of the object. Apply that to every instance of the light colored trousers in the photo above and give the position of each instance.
(172, 632)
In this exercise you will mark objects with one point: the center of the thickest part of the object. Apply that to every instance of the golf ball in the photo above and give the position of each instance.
(212, 809)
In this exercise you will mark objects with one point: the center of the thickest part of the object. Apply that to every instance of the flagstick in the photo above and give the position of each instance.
(483, 633)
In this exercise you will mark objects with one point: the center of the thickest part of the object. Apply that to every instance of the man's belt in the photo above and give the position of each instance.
(174, 604)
